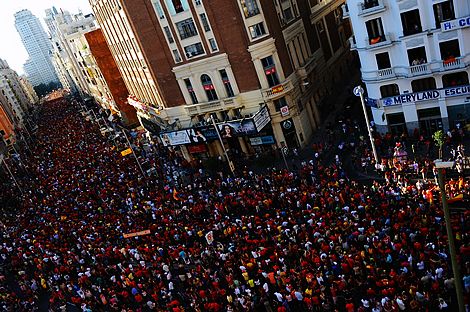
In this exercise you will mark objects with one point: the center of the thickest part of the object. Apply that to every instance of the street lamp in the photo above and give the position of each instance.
(359, 91)
(230, 163)
(440, 165)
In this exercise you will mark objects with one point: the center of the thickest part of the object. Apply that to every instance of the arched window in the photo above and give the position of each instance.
(389, 90)
(455, 79)
(209, 88)
(424, 84)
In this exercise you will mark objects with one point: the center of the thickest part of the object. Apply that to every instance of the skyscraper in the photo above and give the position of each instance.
(38, 67)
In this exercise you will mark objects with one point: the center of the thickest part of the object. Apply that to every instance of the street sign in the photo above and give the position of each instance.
(126, 152)
(358, 91)
(284, 111)
(285, 150)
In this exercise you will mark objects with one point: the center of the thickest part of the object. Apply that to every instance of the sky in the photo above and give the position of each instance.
(11, 47)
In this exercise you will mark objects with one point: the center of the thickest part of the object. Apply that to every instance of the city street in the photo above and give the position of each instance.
(92, 233)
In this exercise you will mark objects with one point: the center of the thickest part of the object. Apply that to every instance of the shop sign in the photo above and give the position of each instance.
(175, 138)
(426, 95)
(126, 152)
(194, 149)
(262, 118)
(268, 139)
(456, 24)
(285, 111)
(237, 128)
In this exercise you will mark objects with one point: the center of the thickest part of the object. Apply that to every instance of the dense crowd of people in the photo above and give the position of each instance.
(305, 240)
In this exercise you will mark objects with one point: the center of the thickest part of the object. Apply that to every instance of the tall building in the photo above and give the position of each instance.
(109, 83)
(415, 58)
(29, 90)
(39, 67)
(260, 68)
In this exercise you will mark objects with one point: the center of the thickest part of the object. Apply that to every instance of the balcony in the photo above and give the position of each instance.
(369, 7)
(213, 106)
(453, 63)
(308, 67)
(386, 73)
(277, 91)
(352, 43)
(345, 9)
(417, 70)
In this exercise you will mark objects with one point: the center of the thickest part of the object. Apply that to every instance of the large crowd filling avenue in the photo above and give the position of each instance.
(91, 233)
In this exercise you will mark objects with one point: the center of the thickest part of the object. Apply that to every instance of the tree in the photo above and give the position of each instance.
(43, 89)
(439, 139)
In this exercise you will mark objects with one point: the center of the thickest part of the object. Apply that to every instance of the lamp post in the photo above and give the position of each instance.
(359, 91)
(133, 152)
(230, 163)
(440, 165)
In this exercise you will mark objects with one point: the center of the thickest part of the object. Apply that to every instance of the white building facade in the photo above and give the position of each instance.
(39, 67)
(415, 57)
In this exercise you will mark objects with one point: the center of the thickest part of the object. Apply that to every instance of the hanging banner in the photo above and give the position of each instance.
(140, 233)
(175, 138)
(262, 118)
(237, 128)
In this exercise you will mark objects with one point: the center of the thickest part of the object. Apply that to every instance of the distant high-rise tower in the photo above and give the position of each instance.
(38, 68)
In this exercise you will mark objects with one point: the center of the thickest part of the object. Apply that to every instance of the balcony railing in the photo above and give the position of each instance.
(371, 7)
(452, 63)
(345, 9)
(386, 73)
(417, 70)
(308, 67)
(212, 106)
(421, 69)
(277, 91)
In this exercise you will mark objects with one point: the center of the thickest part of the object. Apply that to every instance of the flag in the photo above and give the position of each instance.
(455, 199)
(372, 102)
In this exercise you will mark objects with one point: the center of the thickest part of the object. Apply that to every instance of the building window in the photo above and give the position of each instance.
(320, 26)
(177, 56)
(287, 14)
(417, 56)
(257, 30)
(249, 7)
(197, 2)
(209, 88)
(186, 28)
(389, 90)
(226, 81)
(411, 22)
(375, 31)
(443, 11)
(450, 50)
(213, 44)
(158, 8)
(270, 71)
(193, 50)
(177, 6)
(190, 89)
(383, 60)
(456, 79)
(204, 21)
(424, 84)
(168, 34)
(370, 4)
(279, 103)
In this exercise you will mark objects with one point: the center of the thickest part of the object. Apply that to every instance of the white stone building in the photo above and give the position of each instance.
(415, 57)
(38, 67)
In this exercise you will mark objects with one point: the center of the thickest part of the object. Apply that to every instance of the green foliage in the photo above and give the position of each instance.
(439, 138)
(43, 89)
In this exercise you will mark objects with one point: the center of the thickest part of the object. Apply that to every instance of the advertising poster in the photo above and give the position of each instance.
(237, 128)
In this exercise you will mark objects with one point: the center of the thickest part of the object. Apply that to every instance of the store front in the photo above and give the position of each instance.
(459, 115)
(430, 120)
(396, 123)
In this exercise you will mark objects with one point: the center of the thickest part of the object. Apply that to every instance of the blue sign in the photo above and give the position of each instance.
(268, 139)
(372, 102)
(456, 24)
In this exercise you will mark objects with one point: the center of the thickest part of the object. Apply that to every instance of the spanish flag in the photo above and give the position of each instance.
(455, 199)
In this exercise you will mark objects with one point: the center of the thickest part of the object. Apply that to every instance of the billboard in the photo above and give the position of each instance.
(236, 128)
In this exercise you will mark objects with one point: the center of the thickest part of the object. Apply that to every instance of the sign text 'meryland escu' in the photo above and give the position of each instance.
(426, 95)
